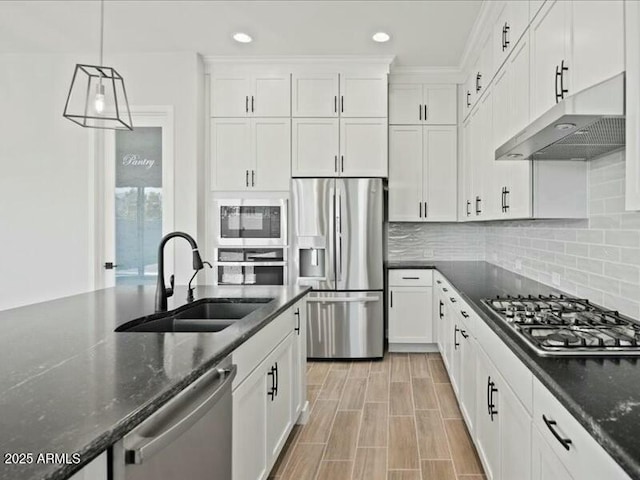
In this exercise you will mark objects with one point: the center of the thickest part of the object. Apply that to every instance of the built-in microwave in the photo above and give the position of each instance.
(251, 222)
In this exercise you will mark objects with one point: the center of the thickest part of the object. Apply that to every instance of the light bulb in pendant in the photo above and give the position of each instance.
(99, 100)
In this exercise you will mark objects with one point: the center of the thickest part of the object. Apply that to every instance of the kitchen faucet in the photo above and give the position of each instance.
(162, 292)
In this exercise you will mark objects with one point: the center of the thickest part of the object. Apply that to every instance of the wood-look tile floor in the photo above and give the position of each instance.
(394, 419)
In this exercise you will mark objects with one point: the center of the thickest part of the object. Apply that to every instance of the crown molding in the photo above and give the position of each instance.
(474, 40)
(402, 74)
(288, 59)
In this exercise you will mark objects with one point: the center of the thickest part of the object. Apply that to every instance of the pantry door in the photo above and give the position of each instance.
(138, 198)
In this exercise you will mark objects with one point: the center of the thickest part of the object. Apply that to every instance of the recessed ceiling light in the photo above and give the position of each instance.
(381, 37)
(514, 155)
(242, 37)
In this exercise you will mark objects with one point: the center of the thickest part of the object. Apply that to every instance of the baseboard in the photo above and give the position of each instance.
(414, 347)
(303, 418)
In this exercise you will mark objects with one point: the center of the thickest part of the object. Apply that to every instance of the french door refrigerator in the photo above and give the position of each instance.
(337, 250)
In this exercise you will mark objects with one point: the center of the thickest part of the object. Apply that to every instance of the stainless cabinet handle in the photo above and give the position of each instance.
(335, 163)
(425, 210)
(455, 337)
(246, 104)
(411, 278)
(390, 298)
(419, 112)
(342, 163)
(425, 113)
(253, 178)
(342, 104)
(246, 177)
(420, 209)
(164, 427)
(335, 104)
(252, 109)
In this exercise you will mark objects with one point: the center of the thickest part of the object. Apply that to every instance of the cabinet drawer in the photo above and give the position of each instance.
(410, 278)
(515, 373)
(583, 456)
(251, 353)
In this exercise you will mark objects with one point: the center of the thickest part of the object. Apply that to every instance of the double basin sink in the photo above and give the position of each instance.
(207, 315)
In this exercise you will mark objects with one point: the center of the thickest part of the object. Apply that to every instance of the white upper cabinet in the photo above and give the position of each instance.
(271, 95)
(513, 19)
(314, 95)
(363, 95)
(363, 147)
(271, 144)
(405, 173)
(315, 147)
(259, 95)
(423, 173)
(231, 160)
(550, 46)
(230, 95)
(250, 154)
(632, 156)
(345, 95)
(413, 104)
(597, 42)
(440, 178)
(483, 71)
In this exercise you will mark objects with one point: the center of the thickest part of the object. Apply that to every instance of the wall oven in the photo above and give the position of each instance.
(251, 266)
(251, 222)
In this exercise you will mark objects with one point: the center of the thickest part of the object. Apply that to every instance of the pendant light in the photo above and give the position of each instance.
(97, 97)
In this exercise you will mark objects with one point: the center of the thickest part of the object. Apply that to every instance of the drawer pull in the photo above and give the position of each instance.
(565, 442)
(438, 282)
(464, 314)
(411, 278)
(453, 300)
(445, 289)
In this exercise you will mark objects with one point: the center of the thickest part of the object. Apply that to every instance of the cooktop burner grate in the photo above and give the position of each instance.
(560, 325)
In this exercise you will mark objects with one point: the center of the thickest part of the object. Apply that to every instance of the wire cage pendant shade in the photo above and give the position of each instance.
(98, 99)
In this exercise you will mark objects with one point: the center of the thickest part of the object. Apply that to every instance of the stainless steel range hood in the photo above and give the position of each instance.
(585, 125)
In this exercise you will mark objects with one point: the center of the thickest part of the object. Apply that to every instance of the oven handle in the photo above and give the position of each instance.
(344, 299)
(178, 416)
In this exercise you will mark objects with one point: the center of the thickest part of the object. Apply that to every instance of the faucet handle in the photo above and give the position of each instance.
(172, 282)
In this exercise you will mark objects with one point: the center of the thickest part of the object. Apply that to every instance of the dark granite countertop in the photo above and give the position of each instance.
(603, 394)
(69, 383)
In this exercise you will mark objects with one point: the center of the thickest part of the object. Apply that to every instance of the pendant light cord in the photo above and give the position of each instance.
(101, 30)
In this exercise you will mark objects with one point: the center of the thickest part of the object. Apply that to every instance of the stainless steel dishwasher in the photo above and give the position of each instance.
(188, 438)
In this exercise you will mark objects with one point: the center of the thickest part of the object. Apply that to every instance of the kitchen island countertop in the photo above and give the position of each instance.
(70, 384)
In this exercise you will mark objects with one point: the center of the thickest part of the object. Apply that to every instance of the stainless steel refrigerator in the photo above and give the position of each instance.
(337, 250)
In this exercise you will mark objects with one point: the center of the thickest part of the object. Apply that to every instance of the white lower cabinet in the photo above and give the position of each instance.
(267, 394)
(545, 464)
(96, 469)
(520, 430)
(410, 306)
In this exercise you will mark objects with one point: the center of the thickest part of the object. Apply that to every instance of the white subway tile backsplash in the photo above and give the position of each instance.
(597, 258)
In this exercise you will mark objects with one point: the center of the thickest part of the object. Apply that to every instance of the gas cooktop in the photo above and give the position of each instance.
(559, 325)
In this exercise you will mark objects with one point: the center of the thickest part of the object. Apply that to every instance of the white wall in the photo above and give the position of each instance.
(46, 221)
(44, 190)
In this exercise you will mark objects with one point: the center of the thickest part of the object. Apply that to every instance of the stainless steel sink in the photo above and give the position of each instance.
(208, 315)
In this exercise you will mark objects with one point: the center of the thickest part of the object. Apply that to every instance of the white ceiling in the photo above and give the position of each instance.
(423, 33)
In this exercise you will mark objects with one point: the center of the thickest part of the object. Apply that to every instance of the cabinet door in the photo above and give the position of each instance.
(456, 351)
(250, 427)
(465, 175)
(515, 436)
(279, 405)
(632, 105)
(299, 359)
(549, 47)
(230, 96)
(597, 42)
(440, 101)
(363, 147)
(363, 95)
(440, 176)
(409, 315)
(467, 382)
(405, 174)
(271, 95)
(487, 426)
(545, 465)
(315, 147)
(314, 95)
(272, 153)
(231, 161)
(405, 104)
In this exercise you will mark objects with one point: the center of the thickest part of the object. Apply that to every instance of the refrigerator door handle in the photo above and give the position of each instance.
(339, 233)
